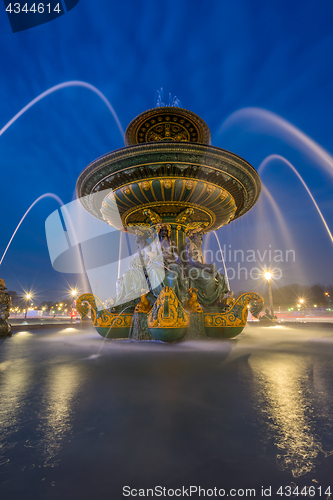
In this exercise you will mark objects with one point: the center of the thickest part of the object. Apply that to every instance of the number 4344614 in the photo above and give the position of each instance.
(38, 8)
(309, 491)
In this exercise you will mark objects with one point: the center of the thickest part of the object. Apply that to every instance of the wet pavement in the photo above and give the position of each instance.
(81, 417)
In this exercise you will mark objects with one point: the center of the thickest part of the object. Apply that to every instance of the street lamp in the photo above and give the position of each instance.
(268, 277)
(73, 294)
(27, 297)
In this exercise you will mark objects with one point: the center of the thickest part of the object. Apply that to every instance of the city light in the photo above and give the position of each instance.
(74, 294)
(268, 277)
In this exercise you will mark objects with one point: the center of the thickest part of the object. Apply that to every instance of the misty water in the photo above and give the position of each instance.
(78, 421)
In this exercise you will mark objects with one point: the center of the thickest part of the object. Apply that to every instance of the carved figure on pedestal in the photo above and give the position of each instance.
(167, 271)
(211, 286)
(134, 280)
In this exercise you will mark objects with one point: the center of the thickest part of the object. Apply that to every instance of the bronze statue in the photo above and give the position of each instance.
(5, 303)
(168, 270)
(135, 281)
(211, 286)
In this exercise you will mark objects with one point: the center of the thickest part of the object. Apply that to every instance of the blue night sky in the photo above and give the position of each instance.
(217, 57)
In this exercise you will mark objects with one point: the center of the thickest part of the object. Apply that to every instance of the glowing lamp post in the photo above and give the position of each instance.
(268, 277)
(73, 294)
(27, 297)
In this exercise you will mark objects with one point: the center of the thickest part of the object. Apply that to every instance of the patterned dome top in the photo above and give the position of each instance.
(165, 124)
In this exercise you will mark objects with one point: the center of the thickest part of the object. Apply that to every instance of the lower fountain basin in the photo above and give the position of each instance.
(223, 332)
(168, 334)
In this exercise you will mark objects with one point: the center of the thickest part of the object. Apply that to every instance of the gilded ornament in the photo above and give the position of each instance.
(236, 316)
(153, 216)
(144, 305)
(192, 303)
(167, 311)
(160, 225)
(99, 315)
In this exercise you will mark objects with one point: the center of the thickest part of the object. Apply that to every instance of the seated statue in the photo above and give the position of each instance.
(165, 271)
(211, 286)
(134, 281)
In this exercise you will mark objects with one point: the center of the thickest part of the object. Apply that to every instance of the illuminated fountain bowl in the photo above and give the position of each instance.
(167, 168)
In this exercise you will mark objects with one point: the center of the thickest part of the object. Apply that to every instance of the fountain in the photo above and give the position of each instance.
(256, 411)
(169, 187)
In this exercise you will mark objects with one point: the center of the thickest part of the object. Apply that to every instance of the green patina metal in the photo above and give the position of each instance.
(171, 180)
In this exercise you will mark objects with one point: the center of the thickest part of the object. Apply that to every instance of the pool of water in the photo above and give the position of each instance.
(81, 417)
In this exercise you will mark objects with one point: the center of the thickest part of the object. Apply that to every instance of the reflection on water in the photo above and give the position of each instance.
(57, 410)
(38, 395)
(283, 382)
(15, 378)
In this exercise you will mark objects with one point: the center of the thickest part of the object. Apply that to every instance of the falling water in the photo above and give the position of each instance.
(74, 83)
(222, 256)
(120, 251)
(279, 127)
(55, 197)
(270, 123)
(279, 216)
(46, 195)
(271, 158)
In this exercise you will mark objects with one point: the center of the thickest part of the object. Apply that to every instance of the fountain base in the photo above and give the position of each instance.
(167, 320)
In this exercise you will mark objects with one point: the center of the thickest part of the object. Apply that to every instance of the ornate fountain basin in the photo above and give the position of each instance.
(168, 320)
(108, 325)
(230, 323)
